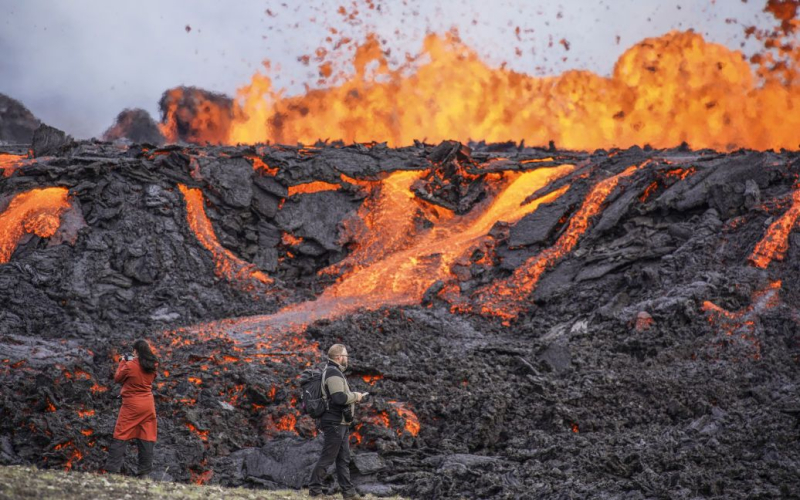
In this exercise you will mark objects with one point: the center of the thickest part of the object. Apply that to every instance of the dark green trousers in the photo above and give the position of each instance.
(116, 456)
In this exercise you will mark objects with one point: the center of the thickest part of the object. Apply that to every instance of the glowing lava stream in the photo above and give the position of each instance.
(9, 163)
(36, 211)
(775, 242)
(506, 298)
(226, 265)
(399, 266)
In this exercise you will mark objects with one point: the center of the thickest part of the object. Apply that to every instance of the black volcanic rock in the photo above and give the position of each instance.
(135, 125)
(17, 123)
(48, 140)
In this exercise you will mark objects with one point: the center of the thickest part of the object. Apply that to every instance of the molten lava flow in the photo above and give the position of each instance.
(226, 264)
(663, 91)
(506, 298)
(395, 261)
(313, 187)
(399, 263)
(9, 163)
(775, 242)
(37, 211)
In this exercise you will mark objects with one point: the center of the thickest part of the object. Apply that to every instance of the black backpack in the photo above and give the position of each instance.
(314, 402)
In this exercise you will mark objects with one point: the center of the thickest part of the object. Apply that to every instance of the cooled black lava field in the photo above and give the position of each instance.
(626, 329)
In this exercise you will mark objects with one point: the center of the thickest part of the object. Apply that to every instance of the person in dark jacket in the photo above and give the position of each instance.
(137, 417)
(335, 424)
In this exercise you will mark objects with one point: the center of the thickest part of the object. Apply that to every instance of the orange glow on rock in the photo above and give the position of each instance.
(97, 388)
(411, 420)
(226, 264)
(742, 323)
(201, 477)
(371, 379)
(775, 243)
(290, 240)
(286, 423)
(75, 455)
(85, 413)
(37, 211)
(203, 435)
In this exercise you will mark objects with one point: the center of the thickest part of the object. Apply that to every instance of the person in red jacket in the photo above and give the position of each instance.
(137, 417)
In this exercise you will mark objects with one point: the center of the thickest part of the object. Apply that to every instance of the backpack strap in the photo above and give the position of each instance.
(324, 386)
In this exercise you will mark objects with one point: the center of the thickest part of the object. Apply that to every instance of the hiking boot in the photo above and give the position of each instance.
(349, 495)
(315, 493)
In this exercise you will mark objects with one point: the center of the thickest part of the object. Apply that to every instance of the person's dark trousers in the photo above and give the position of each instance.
(145, 457)
(336, 448)
(116, 456)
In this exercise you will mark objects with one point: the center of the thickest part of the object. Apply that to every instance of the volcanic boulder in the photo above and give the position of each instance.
(17, 123)
(135, 125)
(194, 115)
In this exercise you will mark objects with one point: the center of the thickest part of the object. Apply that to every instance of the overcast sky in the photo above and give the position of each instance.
(76, 63)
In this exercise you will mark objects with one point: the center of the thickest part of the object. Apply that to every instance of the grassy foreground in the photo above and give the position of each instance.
(30, 482)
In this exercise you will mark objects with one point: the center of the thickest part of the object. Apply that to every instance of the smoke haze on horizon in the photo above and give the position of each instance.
(77, 64)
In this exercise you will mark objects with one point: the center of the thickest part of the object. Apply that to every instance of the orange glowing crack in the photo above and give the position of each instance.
(506, 298)
(36, 211)
(97, 388)
(85, 413)
(203, 435)
(313, 187)
(648, 191)
(536, 160)
(226, 264)
(775, 243)
(290, 240)
(258, 164)
(201, 477)
(743, 322)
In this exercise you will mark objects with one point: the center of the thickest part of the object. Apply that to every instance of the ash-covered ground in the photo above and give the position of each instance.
(655, 354)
